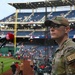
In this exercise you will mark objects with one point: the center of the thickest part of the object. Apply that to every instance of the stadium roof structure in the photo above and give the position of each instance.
(48, 3)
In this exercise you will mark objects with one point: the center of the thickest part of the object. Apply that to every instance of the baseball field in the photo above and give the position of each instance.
(7, 63)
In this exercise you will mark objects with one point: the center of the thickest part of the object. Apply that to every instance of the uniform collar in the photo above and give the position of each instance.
(64, 44)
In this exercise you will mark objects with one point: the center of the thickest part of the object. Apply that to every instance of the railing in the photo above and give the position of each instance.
(29, 17)
(67, 13)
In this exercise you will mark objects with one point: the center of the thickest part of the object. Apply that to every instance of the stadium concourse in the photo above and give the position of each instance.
(32, 39)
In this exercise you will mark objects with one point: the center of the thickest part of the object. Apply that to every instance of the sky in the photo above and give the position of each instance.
(6, 9)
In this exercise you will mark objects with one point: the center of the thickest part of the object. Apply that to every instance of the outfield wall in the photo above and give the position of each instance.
(6, 50)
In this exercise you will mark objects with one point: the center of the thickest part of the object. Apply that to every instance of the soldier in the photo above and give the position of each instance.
(63, 62)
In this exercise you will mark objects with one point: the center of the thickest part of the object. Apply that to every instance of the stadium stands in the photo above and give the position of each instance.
(37, 16)
(71, 15)
(28, 28)
(32, 38)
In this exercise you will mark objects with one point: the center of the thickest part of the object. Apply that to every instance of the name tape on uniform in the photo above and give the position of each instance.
(71, 57)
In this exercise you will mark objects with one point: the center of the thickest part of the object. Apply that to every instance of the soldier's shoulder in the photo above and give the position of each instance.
(70, 53)
(70, 49)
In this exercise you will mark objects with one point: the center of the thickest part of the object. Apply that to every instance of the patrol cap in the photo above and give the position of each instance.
(57, 20)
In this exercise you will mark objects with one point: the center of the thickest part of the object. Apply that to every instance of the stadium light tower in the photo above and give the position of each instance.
(45, 10)
(46, 33)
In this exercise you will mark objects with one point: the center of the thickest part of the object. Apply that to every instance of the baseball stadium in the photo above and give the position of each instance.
(25, 38)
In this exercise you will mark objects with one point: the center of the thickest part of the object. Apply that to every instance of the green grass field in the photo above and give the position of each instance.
(7, 63)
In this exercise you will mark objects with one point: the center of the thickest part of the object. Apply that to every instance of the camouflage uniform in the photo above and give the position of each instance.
(64, 59)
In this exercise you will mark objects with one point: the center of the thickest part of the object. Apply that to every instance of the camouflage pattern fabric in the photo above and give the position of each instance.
(64, 59)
